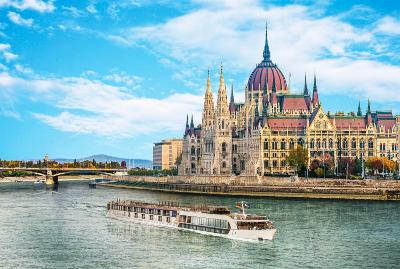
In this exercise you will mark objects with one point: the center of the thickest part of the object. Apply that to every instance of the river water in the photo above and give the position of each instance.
(67, 228)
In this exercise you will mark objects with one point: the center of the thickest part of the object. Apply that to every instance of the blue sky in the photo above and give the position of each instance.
(84, 77)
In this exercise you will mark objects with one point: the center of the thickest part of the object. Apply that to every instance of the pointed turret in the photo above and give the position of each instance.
(359, 112)
(187, 121)
(256, 114)
(232, 107)
(191, 123)
(305, 85)
(208, 109)
(274, 99)
(221, 78)
(266, 52)
(369, 116)
(315, 93)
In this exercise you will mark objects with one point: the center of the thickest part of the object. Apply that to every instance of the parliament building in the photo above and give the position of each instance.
(255, 137)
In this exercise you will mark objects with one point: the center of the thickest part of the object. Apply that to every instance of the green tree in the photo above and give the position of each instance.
(298, 158)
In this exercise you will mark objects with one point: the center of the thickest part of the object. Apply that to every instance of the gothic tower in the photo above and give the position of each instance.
(223, 131)
(207, 131)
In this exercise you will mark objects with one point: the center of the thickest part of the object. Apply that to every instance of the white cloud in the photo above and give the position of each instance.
(9, 56)
(388, 25)
(301, 40)
(37, 5)
(23, 69)
(73, 11)
(122, 78)
(17, 19)
(94, 107)
(4, 47)
(91, 9)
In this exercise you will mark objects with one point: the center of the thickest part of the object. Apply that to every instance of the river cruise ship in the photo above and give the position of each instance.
(212, 220)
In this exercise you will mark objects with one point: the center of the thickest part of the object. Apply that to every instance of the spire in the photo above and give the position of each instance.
(266, 52)
(221, 78)
(256, 112)
(315, 93)
(305, 84)
(232, 107)
(187, 121)
(359, 112)
(315, 83)
(265, 110)
(191, 123)
(369, 107)
(232, 97)
(208, 81)
(274, 100)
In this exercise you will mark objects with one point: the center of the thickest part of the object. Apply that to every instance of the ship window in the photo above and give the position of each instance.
(159, 218)
(173, 213)
(151, 217)
(143, 216)
(136, 215)
(168, 219)
(189, 219)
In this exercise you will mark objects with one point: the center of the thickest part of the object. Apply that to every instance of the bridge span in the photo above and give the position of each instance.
(52, 174)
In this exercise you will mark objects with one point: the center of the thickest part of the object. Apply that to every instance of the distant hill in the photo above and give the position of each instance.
(107, 158)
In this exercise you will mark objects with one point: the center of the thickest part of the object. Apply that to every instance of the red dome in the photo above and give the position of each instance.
(264, 74)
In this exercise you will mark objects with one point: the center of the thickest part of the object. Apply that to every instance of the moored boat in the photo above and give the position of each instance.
(212, 220)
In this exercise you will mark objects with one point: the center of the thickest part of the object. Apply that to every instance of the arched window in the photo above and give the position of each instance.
(330, 143)
(291, 144)
(193, 151)
(283, 144)
(266, 144)
(223, 124)
(345, 143)
(223, 147)
(324, 143)
(300, 141)
(362, 144)
(274, 144)
(318, 143)
(223, 164)
(370, 144)
(312, 143)
(353, 143)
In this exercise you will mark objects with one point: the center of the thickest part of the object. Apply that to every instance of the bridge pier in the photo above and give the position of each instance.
(50, 179)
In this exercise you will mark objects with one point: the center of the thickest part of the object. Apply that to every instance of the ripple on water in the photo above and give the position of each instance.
(68, 229)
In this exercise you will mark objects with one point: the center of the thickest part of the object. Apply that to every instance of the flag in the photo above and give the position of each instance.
(239, 205)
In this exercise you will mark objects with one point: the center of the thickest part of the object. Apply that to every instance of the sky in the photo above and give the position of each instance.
(87, 77)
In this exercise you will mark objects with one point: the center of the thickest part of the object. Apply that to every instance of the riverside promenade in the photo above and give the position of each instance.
(275, 187)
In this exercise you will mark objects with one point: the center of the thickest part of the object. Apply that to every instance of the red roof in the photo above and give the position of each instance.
(387, 123)
(264, 74)
(287, 123)
(352, 122)
(294, 103)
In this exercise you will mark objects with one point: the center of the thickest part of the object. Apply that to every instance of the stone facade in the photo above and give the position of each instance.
(255, 137)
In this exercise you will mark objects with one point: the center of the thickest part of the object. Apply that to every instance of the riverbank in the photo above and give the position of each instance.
(377, 190)
(61, 178)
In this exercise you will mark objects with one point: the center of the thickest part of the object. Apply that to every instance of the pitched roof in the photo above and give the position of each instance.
(286, 123)
(351, 122)
(293, 102)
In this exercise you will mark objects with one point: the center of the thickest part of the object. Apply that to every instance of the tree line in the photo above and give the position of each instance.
(324, 166)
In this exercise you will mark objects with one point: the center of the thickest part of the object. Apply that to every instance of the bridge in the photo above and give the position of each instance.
(52, 174)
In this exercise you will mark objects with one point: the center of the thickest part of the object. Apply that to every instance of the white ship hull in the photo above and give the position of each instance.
(245, 235)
